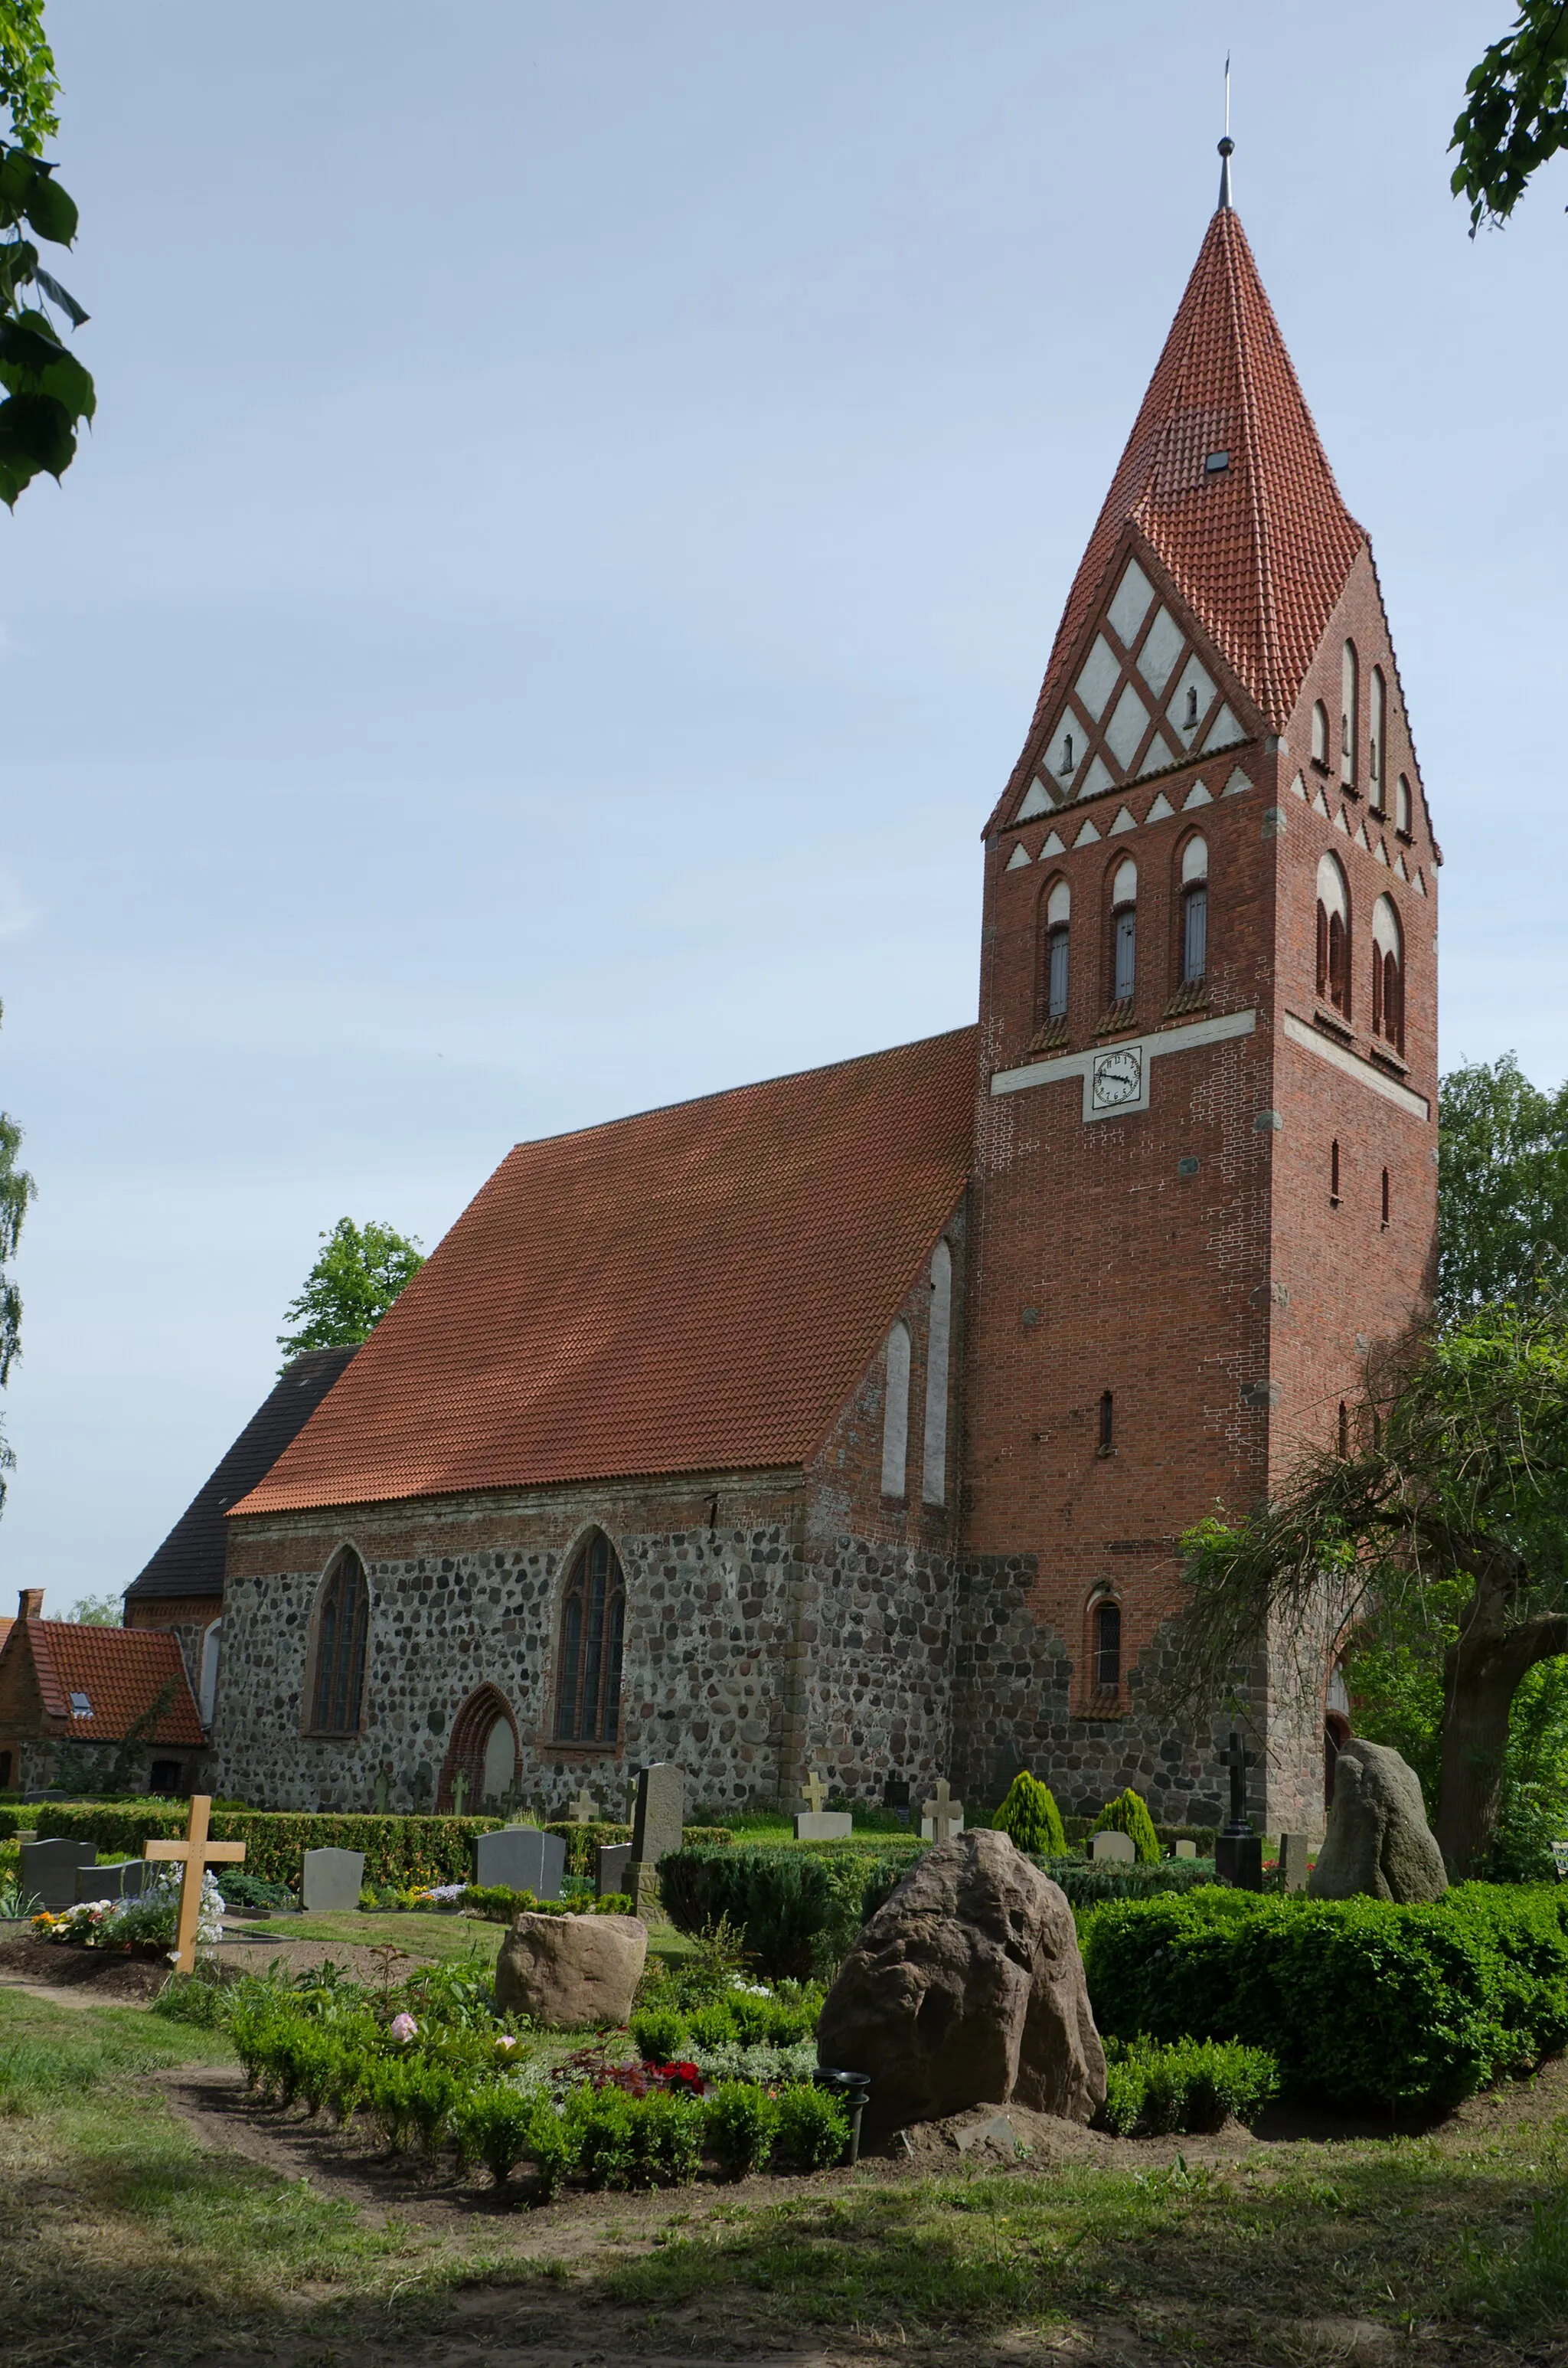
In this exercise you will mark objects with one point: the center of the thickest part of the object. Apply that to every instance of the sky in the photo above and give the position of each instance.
(579, 507)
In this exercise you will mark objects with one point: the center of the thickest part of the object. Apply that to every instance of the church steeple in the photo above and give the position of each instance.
(1224, 481)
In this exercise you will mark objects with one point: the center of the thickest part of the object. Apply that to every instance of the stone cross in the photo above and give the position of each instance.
(1238, 1760)
(945, 1813)
(813, 1791)
(383, 1794)
(584, 1809)
(197, 1853)
(460, 1792)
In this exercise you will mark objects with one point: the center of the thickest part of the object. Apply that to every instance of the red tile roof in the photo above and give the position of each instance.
(1259, 552)
(697, 1289)
(119, 1671)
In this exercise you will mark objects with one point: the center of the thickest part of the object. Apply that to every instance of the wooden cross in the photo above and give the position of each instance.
(814, 1792)
(459, 1792)
(198, 1854)
(945, 1813)
(584, 1809)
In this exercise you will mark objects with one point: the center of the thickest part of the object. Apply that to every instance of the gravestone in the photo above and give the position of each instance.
(122, 1882)
(584, 1809)
(1238, 1852)
(383, 1794)
(611, 1871)
(1184, 1849)
(895, 1796)
(523, 1859)
(941, 1817)
(658, 1818)
(814, 1823)
(1119, 1849)
(330, 1880)
(1293, 1862)
(47, 1870)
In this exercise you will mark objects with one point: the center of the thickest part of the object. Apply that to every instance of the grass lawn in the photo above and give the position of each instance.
(422, 1936)
(126, 2235)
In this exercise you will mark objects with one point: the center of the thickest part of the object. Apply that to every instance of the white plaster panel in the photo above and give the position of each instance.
(1037, 801)
(1224, 732)
(1130, 606)
(1019, 859)
(1099, 679)
(1194, 676)
(1162, 647)
(1127, 726)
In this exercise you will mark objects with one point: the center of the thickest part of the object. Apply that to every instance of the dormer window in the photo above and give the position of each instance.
(79, 1706)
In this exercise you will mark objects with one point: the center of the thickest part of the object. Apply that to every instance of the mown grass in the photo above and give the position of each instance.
(123, 2239)
(421, 1936)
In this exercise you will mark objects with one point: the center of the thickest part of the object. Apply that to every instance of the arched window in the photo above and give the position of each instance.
(1107, 1629)
(1124, 931)
(207, 1690)
(1333, 935)
(1194, 911)
(1320, 736)
(1377, 728)
(593, 1631)
(1388, 975)
(1402, 807)
(934, 1464)
(895, 1413)
(1350, 705)
(342, 1628)
(1058, 916)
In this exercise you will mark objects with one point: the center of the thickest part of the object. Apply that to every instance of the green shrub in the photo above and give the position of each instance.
(657, 2035)
(1363, 2001)
(666, 2139)
(1030, 1818)
(553, 2141)
(404, 1853)
(797, 1907)
(1088, 1881)
(740, 2122)
(496, 2126)
(603, 2122)
(711, 2026)
(1128, 1813)
(813, 2129)
(1152, 2090)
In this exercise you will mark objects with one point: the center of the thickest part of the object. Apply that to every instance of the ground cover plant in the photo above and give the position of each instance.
(1195, 2085)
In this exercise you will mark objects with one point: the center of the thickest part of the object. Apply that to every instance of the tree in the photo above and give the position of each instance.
(48, 392)
(1450, 1511)
(358, 1274)
(98, 1611)
(16, 1189)
(1516, 113)
(1502, 1187)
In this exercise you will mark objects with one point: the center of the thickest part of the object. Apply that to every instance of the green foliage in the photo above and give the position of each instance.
(1516, 113)
(585, 1842)
(1030, 1818)
(1089, 1881)
(355, 1280)
(401, 1853)
(496, 2126)
(1524, 2283)
(48, 391)
(29, 84)
(798, 1909)
(1152, 2091)
(1128, 1814)
(112, 1777)
(741, 2124)
(97, 1611)
(1362, 2002)
(16, 1190)
(1502, 1187)
(813, 2129)
(657, 2034)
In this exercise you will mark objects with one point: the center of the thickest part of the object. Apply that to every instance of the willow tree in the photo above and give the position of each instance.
(1450, 1502)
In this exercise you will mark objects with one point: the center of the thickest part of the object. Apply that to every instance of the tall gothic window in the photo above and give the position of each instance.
(895, 1412)
(1107, 1647)
(593, 1628)
(1388, 975)
(1348, 708)
(1377, 729)
(1124, 931)
(1333, 936)
(1320, 736)
(342, 1628)
(934, 1462)
(1402, 807)
(1194, 911)
(1058, 917)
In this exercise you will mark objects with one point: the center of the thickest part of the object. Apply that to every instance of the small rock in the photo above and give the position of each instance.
(574, 1971)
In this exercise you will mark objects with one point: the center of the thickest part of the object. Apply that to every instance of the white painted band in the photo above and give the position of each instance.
(1170, 1040)
(1339, 1058)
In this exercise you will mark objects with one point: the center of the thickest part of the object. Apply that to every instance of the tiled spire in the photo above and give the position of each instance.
(1258, 546)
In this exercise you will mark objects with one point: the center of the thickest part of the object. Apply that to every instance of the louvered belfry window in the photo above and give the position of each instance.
(342, 1628)
(593, 1624)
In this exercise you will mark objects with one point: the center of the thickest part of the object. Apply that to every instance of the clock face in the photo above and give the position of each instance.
(1118, 1077)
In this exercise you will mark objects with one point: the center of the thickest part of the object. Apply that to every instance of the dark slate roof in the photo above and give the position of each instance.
(190, 1560)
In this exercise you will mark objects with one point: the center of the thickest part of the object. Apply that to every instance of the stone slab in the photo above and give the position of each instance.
(658, 1818)
(47, 1870)
(824, 1825)
(1293, 1862)
(122, 1882)
(612, 1869)
(1184, 1849)
(1119, 1849)
(1238, 1860)
(523, 1857)
(330, 1880)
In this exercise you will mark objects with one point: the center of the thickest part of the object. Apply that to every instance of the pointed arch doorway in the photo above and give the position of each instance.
(484, 1748)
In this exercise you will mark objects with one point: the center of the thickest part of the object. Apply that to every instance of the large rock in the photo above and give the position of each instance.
(967, 1988)
(1379, 1844)
(574, 1971)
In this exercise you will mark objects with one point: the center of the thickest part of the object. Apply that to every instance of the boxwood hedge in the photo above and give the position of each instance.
(799, 1906)
(1363, 2002)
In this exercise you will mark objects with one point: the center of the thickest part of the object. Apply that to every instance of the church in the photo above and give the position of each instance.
(851, 1420)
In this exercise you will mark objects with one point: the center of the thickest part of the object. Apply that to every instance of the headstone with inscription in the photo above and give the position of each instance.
(1113, 1848)
(521, 1858)
(611, 1869)
(330, 1880)
(658, 1819)
(47, 1870)
(815, 1822)
(121, 1882)
(1293, 1862)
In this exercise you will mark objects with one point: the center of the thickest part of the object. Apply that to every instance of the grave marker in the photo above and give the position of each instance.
(1293, 1862)
(1238, 1852)
(459, 1792)
(658, 1819)
(941, 1817)
(122, 1882)
(196, 1853)
(383, 1794)
(816, 1823)
(1118, 1849)
(47, 1870)
(584, 1809)
(330, 1880)
(1184, 1849)
(613, 1860)
(523, 1859)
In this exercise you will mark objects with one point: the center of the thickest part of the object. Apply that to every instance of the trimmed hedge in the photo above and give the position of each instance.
(401, 1853)
(798, 1907)
(1152, 2091)
(1089, 1882)
(1363, 2002)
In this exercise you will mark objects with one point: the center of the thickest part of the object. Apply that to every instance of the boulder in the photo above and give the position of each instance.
(574, 1971)
(967, 1988)
(1379, 1845)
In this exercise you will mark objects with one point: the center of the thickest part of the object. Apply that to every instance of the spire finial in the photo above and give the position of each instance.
(1227, 145)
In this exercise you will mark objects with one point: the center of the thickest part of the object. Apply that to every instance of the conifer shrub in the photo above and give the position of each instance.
(1030, 1818)
(1128, 1813)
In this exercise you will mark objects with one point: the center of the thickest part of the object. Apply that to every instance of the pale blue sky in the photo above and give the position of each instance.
(581, 501)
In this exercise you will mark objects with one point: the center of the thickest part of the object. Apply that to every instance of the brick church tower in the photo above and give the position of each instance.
(1205, 1179)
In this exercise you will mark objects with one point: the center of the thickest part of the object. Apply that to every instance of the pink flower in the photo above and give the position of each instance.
(404, 2029)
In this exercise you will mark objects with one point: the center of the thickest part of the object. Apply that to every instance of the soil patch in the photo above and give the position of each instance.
(55, 1965)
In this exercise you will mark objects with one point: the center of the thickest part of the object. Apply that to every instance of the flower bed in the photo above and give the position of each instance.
(149, 1921)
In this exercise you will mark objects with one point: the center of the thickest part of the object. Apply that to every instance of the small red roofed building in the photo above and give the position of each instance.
(74, 1698)
(851, 1421)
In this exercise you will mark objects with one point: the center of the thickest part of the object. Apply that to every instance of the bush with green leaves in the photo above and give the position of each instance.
(1089, 1881)
(657, 2035)
(1128, 1814)
(1364, 2002)
(1153, 2090)
(798, 1909)
(1030, 1818)
(740, 2122)
(496, 2126)
(813, 2129)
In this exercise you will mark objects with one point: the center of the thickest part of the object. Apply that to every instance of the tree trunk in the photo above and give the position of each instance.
(1481, 1675)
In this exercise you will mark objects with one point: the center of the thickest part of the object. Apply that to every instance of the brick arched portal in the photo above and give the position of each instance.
(471, 1731)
